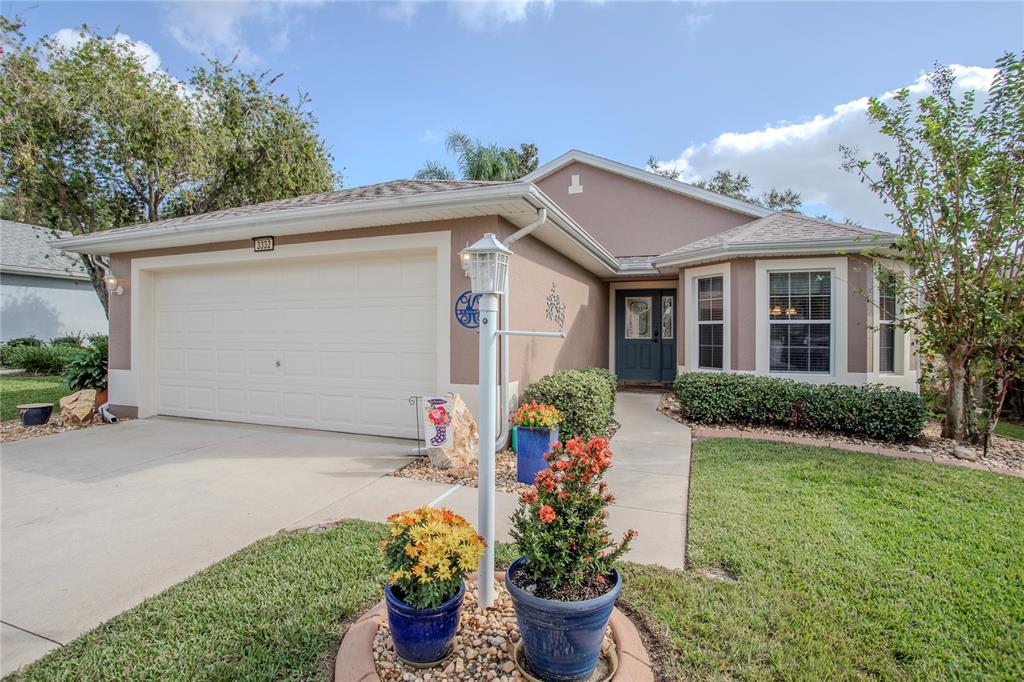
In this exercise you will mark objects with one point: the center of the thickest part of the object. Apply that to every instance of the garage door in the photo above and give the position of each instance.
(337, 344)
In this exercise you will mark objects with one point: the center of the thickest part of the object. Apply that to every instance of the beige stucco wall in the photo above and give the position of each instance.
(742, 311)
(633, 218)
(534, 267)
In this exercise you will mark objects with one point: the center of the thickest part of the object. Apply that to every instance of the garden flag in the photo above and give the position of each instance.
(437, 421)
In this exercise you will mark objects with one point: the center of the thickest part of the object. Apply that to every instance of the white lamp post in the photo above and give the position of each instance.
(486, 265)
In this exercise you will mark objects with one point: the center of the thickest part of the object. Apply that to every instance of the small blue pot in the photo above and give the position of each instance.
(561, 639)
(532, 444)
(423, 637)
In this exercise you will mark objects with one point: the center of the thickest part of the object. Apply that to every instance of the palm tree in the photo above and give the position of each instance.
(476, 161)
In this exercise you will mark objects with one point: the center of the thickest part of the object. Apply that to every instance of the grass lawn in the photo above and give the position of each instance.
(850, 566)
(1010, 430)
(18, 390)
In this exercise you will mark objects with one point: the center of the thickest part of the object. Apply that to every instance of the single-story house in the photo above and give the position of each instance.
(362, 303)
(44, 292)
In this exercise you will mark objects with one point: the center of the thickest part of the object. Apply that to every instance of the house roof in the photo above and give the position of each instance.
(382, 190)
(684, 188)
(25, 250)
(779, 233)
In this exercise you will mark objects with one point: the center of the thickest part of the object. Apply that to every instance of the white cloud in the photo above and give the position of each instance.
(403, 11)
(805, 156)
(477, 15)
(431, 137)
(219, 29)
(68, 38)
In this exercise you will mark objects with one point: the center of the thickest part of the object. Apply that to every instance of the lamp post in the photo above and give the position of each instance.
(486, 264)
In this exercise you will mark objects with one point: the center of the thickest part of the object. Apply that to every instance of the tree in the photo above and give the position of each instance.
(477, 161)
(735, 185)
(90, 140)
(955, 189)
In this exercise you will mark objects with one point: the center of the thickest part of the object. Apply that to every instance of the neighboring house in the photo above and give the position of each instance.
(44, 292)
(361, 302)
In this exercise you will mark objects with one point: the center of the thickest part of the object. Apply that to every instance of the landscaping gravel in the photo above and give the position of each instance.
(1003, 453)
(13, 429)
(482, 650)
(504, 471)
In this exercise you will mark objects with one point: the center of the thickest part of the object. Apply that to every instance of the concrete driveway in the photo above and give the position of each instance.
(94, 521)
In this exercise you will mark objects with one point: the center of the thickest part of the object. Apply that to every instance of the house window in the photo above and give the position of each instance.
(638, 317)
(886, 326)
(800, 317)
(668, 317)
(710, 323)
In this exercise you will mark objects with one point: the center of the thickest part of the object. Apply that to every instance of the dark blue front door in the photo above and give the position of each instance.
(645, 330)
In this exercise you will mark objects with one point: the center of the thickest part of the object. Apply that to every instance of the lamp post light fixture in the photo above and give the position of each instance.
(486, 265)
(113, 285)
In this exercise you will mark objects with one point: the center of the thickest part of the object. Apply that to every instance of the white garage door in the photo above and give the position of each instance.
(337, 344)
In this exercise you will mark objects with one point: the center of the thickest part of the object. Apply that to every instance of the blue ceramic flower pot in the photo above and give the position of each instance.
(561, 639)
(532, 444)
(423, 636)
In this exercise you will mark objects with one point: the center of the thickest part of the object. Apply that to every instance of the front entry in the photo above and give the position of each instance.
(645, 335)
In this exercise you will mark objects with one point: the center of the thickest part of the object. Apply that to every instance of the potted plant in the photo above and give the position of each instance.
(87, 369)
(537, 432)
(565, 584)
(428, 552)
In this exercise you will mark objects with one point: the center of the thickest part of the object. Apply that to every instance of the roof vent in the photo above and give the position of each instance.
(575, 187)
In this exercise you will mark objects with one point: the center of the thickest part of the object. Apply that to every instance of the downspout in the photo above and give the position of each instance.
(505, 432)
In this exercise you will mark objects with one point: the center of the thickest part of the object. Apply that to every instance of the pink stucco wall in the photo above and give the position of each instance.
(633, 218)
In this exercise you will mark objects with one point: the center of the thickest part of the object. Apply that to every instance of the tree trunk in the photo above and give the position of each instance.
(97, 275)
(953, 426)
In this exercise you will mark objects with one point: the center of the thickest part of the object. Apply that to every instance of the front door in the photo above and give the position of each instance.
(645, 344)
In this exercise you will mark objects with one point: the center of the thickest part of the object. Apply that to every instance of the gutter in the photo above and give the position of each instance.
(503, 435)
(753, 249)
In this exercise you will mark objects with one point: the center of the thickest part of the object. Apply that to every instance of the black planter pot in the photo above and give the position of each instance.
(35, 414)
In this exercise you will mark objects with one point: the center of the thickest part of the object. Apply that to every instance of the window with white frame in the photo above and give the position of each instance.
(800, 322)
(886, 325)
(710, 323)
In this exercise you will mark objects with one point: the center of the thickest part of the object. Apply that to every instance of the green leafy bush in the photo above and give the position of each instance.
(607, 376)
(585, 398)
(40, 359)
(87, 367)
(8, 348)
(73, 340)
(881, 412)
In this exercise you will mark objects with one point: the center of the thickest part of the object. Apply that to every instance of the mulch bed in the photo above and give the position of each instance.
(13, 430)
(1003, 453)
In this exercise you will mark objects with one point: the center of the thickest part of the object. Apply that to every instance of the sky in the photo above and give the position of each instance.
(765, 88)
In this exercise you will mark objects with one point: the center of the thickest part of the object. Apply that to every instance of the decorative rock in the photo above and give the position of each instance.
(962, 452)
(914, 448)
(79, 407)
(465, 450)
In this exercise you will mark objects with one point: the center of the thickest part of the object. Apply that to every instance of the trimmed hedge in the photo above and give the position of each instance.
(585, 397)
(41, 359)
(873, 411)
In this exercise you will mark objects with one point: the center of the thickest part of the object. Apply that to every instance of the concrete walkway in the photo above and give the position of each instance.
(649, 477)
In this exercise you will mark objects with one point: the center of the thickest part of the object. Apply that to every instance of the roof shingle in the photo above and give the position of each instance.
(25, 247)
(382, 190)
(778, 228)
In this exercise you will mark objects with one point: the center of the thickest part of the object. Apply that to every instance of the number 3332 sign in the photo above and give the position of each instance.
(437, 421)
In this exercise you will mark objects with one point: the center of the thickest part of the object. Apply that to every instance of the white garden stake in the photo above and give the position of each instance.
(486, 265)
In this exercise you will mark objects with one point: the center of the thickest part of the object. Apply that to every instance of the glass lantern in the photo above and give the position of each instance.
(486, 265)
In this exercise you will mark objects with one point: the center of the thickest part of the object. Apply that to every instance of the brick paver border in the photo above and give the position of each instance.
(711, 432)
(355, 655)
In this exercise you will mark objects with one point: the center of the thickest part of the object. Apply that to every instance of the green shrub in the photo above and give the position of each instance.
(583, 396)
(73, 340)
(8, 348)
(87, 368)
(41, 359)
(607, 376)
(873, 411)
